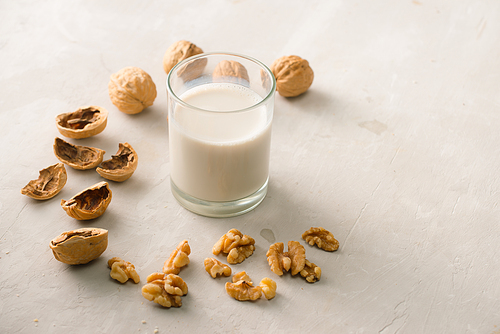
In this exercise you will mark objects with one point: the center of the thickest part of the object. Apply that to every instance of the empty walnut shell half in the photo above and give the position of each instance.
(83, 123)
(76, 156)
(89, 203)
(80, 246)
(121, 166)
(49, 183)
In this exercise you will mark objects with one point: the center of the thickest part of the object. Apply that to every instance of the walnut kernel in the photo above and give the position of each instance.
(155, 291)
(216, 268)
(178, 258)
(268, 288)
(243, 290)
(277, 260)
(50, 182)
(175, 285)
(239, 254)
(241, 276)
(311, 272)
(232, 239)
(322, 238)
(122, 270)
(297, 254)
(131, 90)
(293, 75)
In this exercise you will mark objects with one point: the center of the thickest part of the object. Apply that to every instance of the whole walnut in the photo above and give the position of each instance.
(293, 75)
(131, 90)
(178, 51)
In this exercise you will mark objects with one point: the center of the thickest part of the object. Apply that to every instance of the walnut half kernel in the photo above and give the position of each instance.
(322, 238)
(122, 270)
(216, 268)
(242, 288)
(311, 272)
(85, 122)
(121, 166)
(178, 258)
(237, 245)
(280, 261)
(50, 182)
(158, 287)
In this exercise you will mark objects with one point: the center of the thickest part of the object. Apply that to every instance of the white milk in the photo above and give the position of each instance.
(218, 156)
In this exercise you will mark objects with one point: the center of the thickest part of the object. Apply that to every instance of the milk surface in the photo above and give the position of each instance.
(219, 156)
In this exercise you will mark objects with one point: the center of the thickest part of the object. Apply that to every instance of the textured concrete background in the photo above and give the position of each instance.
(395, 149)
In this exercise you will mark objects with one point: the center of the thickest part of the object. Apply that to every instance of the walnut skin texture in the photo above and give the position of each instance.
(216, 268)
(293, 75)
(131, 90)
(50, 182)
(122, 270)
(178, 258)
(179, 51)
(322, 238)
(121, 166)
(79, 246)
(85, 122)
(89, 203)
(76, 156)
(239, 254)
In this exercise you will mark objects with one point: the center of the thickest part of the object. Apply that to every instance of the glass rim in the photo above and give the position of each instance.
(206, 54)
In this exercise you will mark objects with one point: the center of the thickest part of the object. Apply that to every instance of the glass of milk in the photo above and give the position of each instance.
(220, 112)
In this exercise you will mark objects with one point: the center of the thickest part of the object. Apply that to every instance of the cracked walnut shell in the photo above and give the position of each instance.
(131, 90)
(80, 246)
(89, 203)
(121, 166)
(122, 270)
(50, 182)
(293, 75)
(322, 238)
(178, 258)
(76, 156)
(83, 123)
(216, 268)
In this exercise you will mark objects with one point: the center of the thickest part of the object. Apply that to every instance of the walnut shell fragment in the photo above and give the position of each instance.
(122, 270)
(76, 156)
(231, 70)
(131, 90)
(179, 51)
(121, 166)
(293, 75)
(89, 203)
(50, 182)
(322, 238)
(80, 246)
(85, 122)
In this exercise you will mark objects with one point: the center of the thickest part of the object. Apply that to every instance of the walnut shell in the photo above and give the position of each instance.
(131, 90)
(80, 246)
(83, 123)
(293, 75)
(76, 156)
(177, 52)
(89, 203)
(231, 70)
(49, 183)
(121, 166)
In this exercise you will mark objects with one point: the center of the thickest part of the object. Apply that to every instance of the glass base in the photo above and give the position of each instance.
(219, 209)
